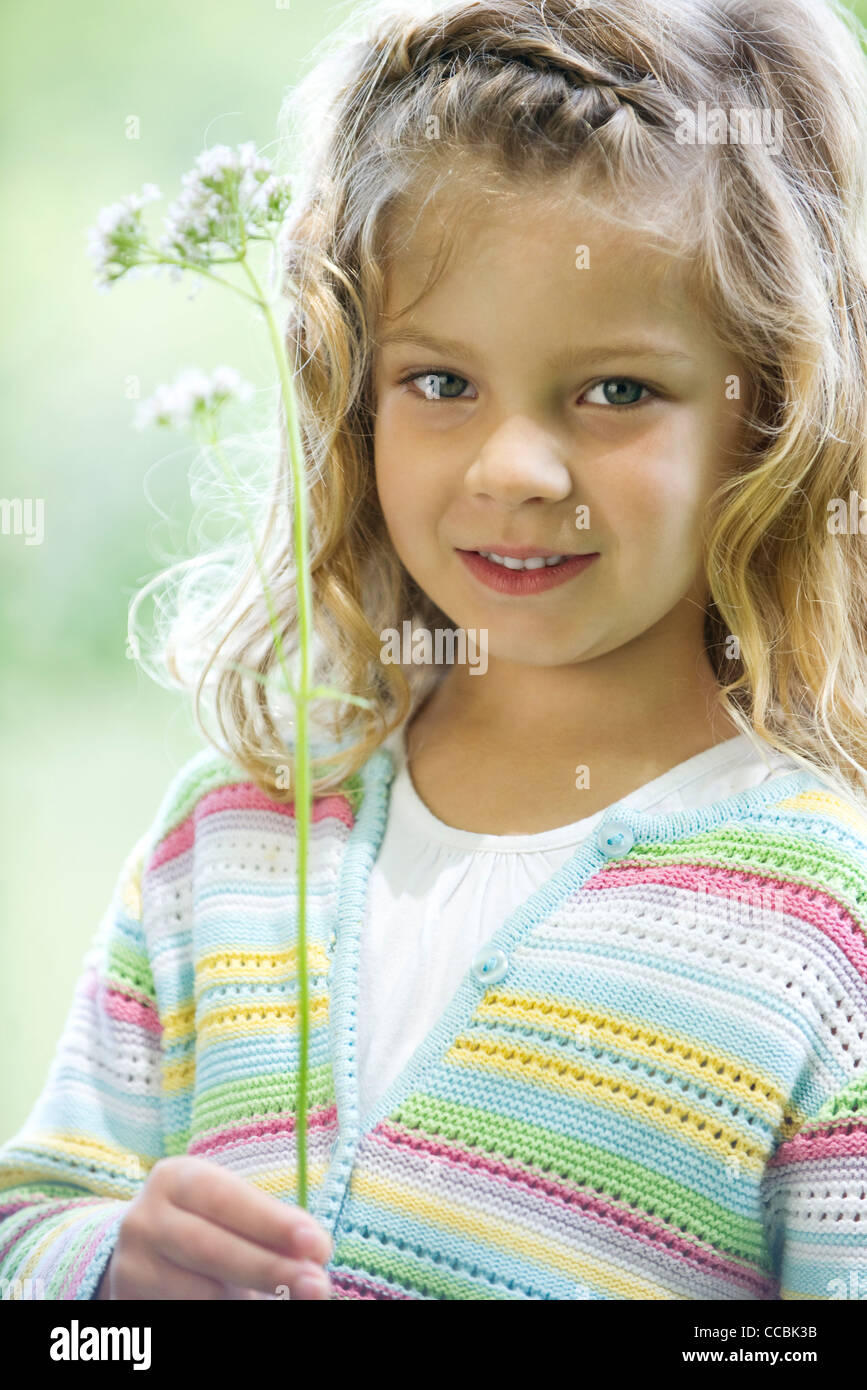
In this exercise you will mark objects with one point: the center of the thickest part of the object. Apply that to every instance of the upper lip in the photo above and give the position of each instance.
(523, 552)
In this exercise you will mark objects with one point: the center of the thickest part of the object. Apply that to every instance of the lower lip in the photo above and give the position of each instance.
(507, 581)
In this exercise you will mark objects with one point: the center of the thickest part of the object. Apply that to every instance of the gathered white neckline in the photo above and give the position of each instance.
(738, 753)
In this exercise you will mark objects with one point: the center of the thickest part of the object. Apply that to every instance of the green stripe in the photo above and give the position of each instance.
(813, 865)
(126, 966)
(850, 1104)
(255, 1097)
(63, 1191)
(556, 1156)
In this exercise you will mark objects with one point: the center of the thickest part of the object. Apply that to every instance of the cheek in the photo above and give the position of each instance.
(404, 479)
(658, 497)
(386, 466)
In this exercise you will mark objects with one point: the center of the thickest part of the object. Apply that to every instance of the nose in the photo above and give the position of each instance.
(518, 462)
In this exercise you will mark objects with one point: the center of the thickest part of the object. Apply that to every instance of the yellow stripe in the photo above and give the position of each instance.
(62, 1142)
(39, 1168)
(515, 1240)
(652, 1045)
(254, 967)
(577, 1079)
(818, 802)
(238, 1021)
(241, 968)
(179, 1023)
(283, 1181)
(179, 1076)
(131, 889)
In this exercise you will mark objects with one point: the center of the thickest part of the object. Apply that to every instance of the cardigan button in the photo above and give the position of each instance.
(615, 839)
(490, 966)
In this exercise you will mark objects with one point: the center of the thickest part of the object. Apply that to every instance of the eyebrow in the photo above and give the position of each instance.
(570, 357)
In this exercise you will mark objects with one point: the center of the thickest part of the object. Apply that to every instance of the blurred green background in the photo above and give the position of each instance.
(88, 743)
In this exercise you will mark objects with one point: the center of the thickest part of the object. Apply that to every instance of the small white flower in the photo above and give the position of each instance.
(116, 240)
(269, 202)
(227, 196)
(192, 395)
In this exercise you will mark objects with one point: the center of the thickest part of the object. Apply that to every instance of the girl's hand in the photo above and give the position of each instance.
(196, 1231)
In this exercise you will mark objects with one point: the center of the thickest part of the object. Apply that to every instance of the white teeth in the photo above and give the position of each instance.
(536, 562)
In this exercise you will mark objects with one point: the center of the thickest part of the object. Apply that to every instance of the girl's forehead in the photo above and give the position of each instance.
(499, 270)
(519, 233)
(461, 207)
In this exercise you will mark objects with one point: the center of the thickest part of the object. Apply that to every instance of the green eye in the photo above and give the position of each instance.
(619, 390)
(432, 383)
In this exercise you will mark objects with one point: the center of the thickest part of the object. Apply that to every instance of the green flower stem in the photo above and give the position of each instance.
(304, 693)
(160, 258)
(301, 697)
(213, 441)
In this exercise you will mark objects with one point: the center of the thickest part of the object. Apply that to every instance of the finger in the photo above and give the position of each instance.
(163, 1281)
(211, 1192)
(217, 1253)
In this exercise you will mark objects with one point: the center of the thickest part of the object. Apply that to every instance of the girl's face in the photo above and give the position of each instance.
(566, 385)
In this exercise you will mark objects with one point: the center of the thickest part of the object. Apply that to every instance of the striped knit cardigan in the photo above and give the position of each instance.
(654, 1088)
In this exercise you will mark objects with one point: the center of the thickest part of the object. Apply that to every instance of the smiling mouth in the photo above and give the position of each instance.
(531, 562)
(528, 574)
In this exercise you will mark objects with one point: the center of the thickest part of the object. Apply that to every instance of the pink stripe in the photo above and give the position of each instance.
(807, 902)
(845, 1142)
(243, 796)
(176, 843)
(594, 1207)
(241, 1134)
(363, 1288)
(40, 1215)
(120, 1006)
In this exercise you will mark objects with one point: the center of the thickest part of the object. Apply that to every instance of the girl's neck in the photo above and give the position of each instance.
(518, 770)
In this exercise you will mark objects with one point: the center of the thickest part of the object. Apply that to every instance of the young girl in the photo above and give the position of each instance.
(582, 334)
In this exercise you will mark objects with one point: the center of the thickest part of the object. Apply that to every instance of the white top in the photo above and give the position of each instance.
(437, 894)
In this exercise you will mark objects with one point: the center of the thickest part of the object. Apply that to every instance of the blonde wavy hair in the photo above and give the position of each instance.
(775, 244)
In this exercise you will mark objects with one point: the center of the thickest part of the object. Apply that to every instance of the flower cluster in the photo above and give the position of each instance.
(192, 396)
(227, 197)
(118, 239)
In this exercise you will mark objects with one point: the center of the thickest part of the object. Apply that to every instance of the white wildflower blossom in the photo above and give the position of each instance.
(228, 197)
(116, 240)
(193, 395)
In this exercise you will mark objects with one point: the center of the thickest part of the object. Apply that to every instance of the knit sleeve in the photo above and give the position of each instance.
(94, 1133)
(816, 1187)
